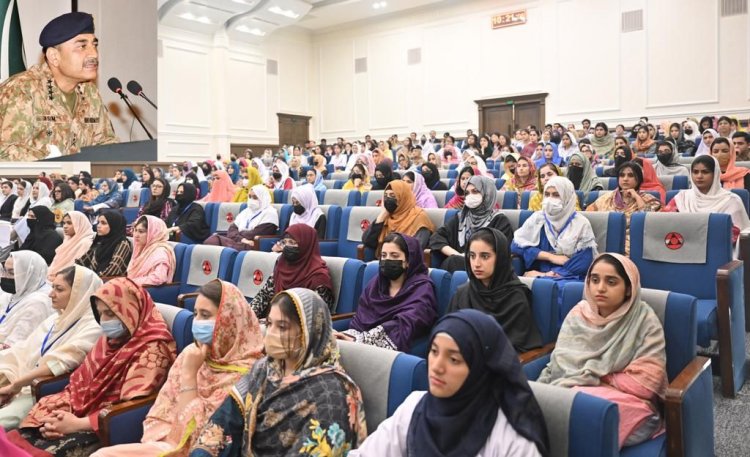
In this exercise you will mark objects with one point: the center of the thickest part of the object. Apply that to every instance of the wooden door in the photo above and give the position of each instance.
(507, 114)
(529, 114)
(293, 128)
(497, 119)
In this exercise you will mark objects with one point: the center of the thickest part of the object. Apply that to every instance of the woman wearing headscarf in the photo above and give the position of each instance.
(192, 178)
(422, 194)
(129, 180)
(568, 145)
(42, 238)
(56, 345)
(581, 174)
(544, 174)
(707, 138)
(643, 143)
(8, 197)
(557, 242)
(707, 196)
(62, 201)
(188, 217)
(305, 210)
(228, 341)
(259, 218)
(622, 154)
(129, 361)
(400, 214)
(627, 198)
(459, 188)
(20, 206)
(40, 195)
(549, 155)
(222, 188)
(398, 305)
(494, 289)
(159, 205)
(692, 132)
(233, 170)
(111, 251)
(280, 178)
(258, 164)
(651, 182)
(315, 179)
(479, 402)
(524, 178)
(153, 261)
(478, 212)
(732, 176)
(358, 179)
(431, 176)
(603, 141)
(277, 408)
(677, 138)
(78, 238)
(383, 175)
(611, 345)
(253, 179)
(299, 265)
(109, 198)
(668, 162)
(24, 301)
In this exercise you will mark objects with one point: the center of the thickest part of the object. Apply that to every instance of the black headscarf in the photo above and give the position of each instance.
(461, 424)
(615, 170)
(155, 205)
(387, 171)
(42, 238)
(192, 176)
(506, 299)
(106, 245)
(191, 218)
(434, 175)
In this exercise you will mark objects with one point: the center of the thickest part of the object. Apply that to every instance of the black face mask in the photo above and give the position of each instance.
(355, 176)
(382, 181)
(31, 223)
(181, 199)
(277, 175)
(575, 174)
(8, 285)
(390, 204)
(619, 160)
(427, 175)
(664, 158)
(185, 169)
(688, 131)
(291, 253)
(298, 210)
(392, 269)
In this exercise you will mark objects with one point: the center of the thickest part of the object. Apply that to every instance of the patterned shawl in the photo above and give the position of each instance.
(472, 219)
(519, 184)
(116, 369)
(142, 261)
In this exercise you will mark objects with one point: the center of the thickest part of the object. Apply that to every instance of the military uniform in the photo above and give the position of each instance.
(34, 113)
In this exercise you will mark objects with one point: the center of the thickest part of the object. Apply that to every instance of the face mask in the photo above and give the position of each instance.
(619, 160)
(299, 210)
(664, 158)
(392, 269)
(575, 174)
(245, 182)
(473, 200)
(275, 349)
(382, 181)
(185, 169)
(8, 285)
(356, 176)
(31, 223)
(427, 175)
(552, 206)
(203, 331)
(276, 175)
(291, 253)
(253, 204)
(688, 131)
(390, 204)
(113, 328)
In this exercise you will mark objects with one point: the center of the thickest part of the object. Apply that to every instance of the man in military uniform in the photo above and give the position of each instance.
(56, 104)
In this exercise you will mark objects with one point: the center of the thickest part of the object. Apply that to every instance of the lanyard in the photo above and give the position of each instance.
(10, 307)
(183, 212)
(552, 229)
(247, 225)
(46, 348)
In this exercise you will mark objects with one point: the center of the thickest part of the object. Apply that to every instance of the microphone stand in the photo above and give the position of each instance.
(127, 102)
(141, 94)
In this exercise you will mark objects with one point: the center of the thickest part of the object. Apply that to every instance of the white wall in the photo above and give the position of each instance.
(127, 45)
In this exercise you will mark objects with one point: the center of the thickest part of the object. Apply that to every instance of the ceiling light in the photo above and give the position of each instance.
(378, 5)
(254, 31)
(192, 17)
(282, 12)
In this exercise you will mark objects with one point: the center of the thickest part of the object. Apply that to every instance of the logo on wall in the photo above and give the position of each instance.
(206, 267)
(364, 224)
(257, 277)
(230, 217)
(674, 240)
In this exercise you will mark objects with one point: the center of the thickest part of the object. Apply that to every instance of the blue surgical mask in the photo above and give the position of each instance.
(113, 328)
(203, 331)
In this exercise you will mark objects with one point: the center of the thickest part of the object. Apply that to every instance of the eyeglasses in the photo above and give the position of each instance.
(288, 242)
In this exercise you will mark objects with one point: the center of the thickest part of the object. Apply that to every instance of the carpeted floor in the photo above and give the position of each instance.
(732, 418)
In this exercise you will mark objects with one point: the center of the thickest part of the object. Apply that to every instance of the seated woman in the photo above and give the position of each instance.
(651, 182)
(299, 265)
(228, 341)
(622, 154)
(130, 360)
(398, 305)
(159, 205)
(109, 198)
(549, 155)
(24, 300)
(8, 197)
(543, 174)
(510, 162)
(603, 141)
(20, 206)
(478, 403)
(707, 139)
(315, 179)
(111, 251)
(56, 345)
(222, 188)
(707, 196)
(557, 242)
(62, 201)
(459, 188)
(78, 239)
(422, 194)
(568, 145)
(524, 177)
(668, 160)
(400, 214)
(153, 261)
(383, 175)
(279, 178)
(187, 216)
(479, 212)
(643, 144)
(259, 218)
(404, 162)
(43, 237)
(358, 179)
(732, 176)
(306, 211)
(581, 173)
(494, 289)
(627, 198)
(298, 391)
(253, 179)
(611, 345)
(431, 176)
(40, 195)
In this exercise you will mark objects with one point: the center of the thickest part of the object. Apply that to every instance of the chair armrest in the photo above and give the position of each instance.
(675, 409)
(182, 297)
(534, 354)
(427, 257)
(108, 414)
(166, 284)
(731, 339)
(745, 256)
(338, 317)
(361, 252)
(257, 238)
(39, 383)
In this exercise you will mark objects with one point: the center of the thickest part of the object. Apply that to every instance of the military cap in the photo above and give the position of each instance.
(63, 28)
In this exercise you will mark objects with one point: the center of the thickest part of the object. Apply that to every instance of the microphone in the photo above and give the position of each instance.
(116, 86)
(135, 88)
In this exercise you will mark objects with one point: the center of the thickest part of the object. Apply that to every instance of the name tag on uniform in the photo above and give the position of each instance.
(90, 120)
(47, 118)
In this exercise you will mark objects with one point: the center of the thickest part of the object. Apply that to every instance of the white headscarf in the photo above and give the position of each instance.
(21, 312)
(43, 198)
(703, 148)
(567, 231)
(21, 201)
(306, 196)
(261, 168)
(284, 170)
(696, 131)
(566, 153)
(266, 214)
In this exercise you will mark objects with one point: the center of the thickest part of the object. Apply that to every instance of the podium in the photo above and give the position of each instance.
(134, 151)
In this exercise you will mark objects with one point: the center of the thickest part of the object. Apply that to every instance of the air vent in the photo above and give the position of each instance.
(632, 21)
(733, 7)
(414, 56)
(360, 65)
(272, 67)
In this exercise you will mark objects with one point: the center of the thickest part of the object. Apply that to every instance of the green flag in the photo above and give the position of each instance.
(12, 57)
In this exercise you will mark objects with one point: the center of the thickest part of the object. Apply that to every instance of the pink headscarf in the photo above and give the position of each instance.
(143, 259)
(422, 193)
(74, 246)
(368, 163)
(222, 190)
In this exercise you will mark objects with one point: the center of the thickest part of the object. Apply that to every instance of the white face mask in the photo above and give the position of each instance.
(253, 204)
(245, 182)
(552, 206)
(473, 200)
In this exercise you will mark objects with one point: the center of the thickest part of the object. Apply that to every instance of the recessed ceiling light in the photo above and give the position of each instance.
(378, 5)
(254, 31)
(282, 12)
(188, 16)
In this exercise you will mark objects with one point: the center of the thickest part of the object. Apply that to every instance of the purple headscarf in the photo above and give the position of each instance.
(422, 193)
(410, 313)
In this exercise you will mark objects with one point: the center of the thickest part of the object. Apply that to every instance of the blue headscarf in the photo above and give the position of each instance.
(113, 194)
(235, 175)
(461, 424)
(556, 159)
(318, 184)
(130, 177)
